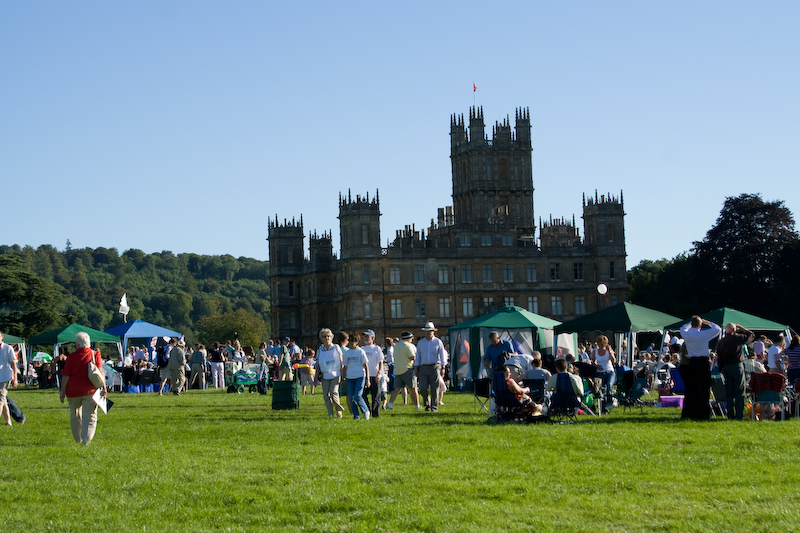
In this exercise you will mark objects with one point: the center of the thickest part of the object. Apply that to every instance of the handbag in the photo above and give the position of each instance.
(96, 376)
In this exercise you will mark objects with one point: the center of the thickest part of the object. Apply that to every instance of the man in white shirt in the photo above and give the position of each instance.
(8, 376)
(428, 366)
(697, 374)
(375, 366)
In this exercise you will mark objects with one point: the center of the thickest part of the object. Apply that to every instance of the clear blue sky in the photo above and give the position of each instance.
(183, 125)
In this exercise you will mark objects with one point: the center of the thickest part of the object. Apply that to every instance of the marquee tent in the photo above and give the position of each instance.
(623, 318)
(526, 330)
(139, 329)
(12, 339)
(725, 315)
(66, 334)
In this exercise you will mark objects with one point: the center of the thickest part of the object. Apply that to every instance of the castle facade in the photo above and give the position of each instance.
(479, 254)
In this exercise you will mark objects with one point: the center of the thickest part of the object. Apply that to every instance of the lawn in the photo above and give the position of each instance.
(210, 461)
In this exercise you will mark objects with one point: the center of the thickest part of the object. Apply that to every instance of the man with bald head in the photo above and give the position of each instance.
(730, 360)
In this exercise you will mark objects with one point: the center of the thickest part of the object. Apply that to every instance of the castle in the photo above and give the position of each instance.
(479, 254)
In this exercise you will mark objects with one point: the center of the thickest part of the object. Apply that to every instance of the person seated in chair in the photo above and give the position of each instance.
(520, 393)
(537, 372)
(563, 375)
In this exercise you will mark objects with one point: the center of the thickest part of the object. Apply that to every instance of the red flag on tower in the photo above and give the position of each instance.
(474, 87)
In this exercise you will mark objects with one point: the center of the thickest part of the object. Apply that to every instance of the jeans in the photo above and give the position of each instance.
(734, 389)
(16, 414)
(607, 387)
(355, 395)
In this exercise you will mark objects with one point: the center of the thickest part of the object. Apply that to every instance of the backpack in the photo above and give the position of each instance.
(501, 360)
(163, 356)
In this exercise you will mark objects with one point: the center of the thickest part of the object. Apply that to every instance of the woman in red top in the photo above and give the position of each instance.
(78, 389)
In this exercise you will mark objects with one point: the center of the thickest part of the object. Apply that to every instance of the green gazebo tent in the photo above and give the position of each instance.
(623, 318)
(66, 334)
(725, 315)
(527, 331)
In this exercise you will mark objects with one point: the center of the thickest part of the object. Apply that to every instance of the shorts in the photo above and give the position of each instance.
(306, 379)
(166, 374)
(405, 380)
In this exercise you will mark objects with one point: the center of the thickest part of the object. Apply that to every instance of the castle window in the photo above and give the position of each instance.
(516, 206)
(555, 305)
(290, 255)
(291, 289)
(466, 273)
(610, 230)
(516, 169)
(508, 240)
(613, 300)
(444, 276)
(508, 273)
(464, 240)
(612, 272)
(419, 274)
(508, 301)
(364, 234)
(444, 307)
(365, 274)
(486, 240)
(580, 305)
(466, 307)
(533, 304)
(531, 271)
(292, 320)
(419, 308)
(394, 275)
(577, 271)
(367, 309)
(488, 302)
(503, 168)
(395, 308)
(555, 272)
(487, 273)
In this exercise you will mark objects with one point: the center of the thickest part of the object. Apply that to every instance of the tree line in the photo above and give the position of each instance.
(747, 260)
(207, 298)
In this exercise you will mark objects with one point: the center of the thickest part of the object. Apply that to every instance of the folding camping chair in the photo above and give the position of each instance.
(507, 406)
(767, 388)
(717, 400)
(482, 389)
(538, 392)
(564, 403)
(592, 394)
(630, 390)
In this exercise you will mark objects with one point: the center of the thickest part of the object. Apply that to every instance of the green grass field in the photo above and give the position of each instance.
(211, 461)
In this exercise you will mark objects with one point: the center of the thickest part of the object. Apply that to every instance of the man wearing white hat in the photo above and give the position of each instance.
(428, 365)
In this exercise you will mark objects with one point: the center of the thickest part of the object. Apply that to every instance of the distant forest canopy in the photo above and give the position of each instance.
(187, 292)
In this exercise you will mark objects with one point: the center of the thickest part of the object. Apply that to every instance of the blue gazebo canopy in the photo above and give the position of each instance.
(139, 329)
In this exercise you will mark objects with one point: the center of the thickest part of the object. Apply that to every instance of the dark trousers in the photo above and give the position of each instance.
(16, 414)
(697, 377)
(374, 390)
(734, 389)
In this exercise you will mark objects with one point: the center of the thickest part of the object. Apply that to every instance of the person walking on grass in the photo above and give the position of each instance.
(405, 353)
(8, 377)
(375, 365)
(356, 372)
(78, 389)
(198, 366)
(329, 372)
(177, 366)
(163, 364)
(428, 366)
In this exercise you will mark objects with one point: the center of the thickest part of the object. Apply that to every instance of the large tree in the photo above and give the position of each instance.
(28, 304)
(746, 261)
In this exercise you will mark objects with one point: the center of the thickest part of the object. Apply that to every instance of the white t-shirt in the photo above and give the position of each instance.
(390, 355)
(374, 358)
(330, 361)
(354, 360)
(773, 357)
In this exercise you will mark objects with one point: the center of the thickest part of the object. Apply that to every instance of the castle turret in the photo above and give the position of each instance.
(604, 231)
(359, 226)
(285, 274)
